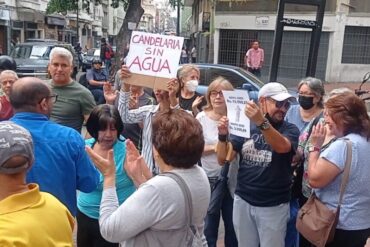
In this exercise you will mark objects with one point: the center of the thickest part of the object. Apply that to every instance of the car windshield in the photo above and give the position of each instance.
(97, 53)
(30, 52)
(90, 52)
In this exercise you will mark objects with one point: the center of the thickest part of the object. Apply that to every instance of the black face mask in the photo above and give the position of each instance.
(305, 102)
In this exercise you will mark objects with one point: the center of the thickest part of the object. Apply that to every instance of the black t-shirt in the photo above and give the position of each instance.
(264, 176)
(187, 103)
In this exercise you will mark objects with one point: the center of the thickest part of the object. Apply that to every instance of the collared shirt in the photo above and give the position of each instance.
(255, 58)
(62, 165)
(142, 114)
(96, 75)
(34, 218)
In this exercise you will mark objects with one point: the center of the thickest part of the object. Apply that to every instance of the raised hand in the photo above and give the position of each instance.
(223, 126)
(254, 113)
(135, 165)
(110, 94)
(318, 134)
(106, 166)
(197, 102)
(172, 87)
(125, 72)
(133, 103)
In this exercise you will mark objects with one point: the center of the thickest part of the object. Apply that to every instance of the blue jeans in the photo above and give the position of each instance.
(212, 222)
(292, 236)
(108, 64)
(98, 96)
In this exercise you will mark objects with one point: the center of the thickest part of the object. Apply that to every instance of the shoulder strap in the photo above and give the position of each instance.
(314, 122)
(347, 168)
(186, 192)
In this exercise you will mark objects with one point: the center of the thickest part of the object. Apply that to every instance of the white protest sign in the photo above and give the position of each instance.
(239, 123)
(154, 54)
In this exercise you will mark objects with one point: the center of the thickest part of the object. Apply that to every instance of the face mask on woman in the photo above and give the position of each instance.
(306, 102)
(191, 85)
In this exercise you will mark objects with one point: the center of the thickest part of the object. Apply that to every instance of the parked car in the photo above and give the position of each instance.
(32, 58)
(89, 57)
(238, 77)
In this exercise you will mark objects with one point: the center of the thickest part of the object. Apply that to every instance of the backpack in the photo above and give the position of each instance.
(108, 54)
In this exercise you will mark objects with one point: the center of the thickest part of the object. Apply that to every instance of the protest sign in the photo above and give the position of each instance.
(153, 59)
(239, 123)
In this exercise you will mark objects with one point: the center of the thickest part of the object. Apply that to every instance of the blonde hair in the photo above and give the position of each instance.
(219, 81)
(185, 71)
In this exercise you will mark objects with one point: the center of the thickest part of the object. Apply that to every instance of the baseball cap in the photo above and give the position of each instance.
(276, 91)
(15, 141)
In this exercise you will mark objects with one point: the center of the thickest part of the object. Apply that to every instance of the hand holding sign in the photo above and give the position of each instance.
(125, 72)
(235, 101)
(254, 113)
(153, 59)
(223, 126)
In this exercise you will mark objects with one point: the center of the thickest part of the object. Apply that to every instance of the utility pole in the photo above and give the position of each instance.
(78, 24)
(178, 18)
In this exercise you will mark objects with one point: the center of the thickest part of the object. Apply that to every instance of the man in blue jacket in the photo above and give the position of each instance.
(61, 164)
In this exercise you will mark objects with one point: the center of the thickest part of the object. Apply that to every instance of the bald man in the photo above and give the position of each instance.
(61, 164)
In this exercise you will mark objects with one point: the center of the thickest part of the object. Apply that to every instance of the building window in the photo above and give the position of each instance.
(356, 45)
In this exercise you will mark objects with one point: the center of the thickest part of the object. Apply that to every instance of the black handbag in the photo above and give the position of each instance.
(220, 189)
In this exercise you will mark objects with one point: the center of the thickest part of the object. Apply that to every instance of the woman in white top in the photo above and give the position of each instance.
(213, 111)
(155, 215)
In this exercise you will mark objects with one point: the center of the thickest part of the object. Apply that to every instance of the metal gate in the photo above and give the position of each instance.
(294, 52)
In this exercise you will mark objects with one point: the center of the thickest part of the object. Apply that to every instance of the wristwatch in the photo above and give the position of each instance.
(313, 149)
(265, 125)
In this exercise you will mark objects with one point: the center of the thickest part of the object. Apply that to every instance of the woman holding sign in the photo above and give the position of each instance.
(213, 111)
(189, 99)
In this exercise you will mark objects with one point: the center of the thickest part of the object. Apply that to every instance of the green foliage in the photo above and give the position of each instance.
(62, 6)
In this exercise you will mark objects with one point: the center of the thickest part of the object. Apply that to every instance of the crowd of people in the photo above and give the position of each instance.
(147, 170)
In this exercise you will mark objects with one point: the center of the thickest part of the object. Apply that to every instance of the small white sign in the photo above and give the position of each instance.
(154, 55)
(239, 123)
(262, 21)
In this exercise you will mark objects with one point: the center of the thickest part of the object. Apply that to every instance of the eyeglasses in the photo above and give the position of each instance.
(281, 104)
(53, 98)
(214, 93)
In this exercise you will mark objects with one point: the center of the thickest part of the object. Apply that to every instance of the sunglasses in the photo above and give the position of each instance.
(281, 104)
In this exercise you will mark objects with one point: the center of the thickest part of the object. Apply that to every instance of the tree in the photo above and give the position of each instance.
(134, 12)
(133, 9)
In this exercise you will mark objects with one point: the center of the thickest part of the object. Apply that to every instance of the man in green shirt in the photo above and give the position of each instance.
(75, 102)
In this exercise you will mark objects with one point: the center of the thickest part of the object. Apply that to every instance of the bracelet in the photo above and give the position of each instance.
(222, 138)
(175, 107)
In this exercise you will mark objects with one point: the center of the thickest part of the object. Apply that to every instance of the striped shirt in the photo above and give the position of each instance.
(142, 114)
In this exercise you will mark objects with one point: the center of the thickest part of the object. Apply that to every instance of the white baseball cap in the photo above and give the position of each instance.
(276, 91)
